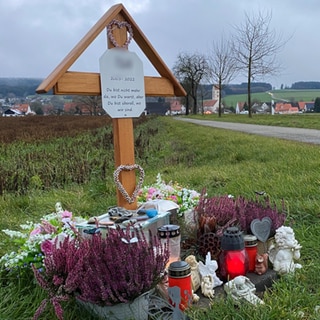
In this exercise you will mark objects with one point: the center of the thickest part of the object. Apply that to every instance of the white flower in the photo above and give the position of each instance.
(15, 234)
(31, 237)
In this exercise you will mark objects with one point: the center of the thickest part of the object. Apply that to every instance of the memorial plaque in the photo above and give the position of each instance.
(122, 83)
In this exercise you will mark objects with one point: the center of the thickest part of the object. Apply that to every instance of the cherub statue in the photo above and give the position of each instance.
(284, 250)
(241, 288)
(207, 286)
(209, 268)
(195, 273)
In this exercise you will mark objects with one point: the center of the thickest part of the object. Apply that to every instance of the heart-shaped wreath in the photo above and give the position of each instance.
(120, 186)
(119, 24)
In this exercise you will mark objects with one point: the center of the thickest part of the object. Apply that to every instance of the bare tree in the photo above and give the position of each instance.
(190, 70)
(92, 103)
(222, 66)
(255, 47)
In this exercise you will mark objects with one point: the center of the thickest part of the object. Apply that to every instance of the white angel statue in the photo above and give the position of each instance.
(209, 268)
(284, 250)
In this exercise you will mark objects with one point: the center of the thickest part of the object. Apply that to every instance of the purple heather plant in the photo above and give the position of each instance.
(103, 271)
(225, 211)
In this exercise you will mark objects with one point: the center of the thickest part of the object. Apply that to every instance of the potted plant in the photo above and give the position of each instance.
(106, 274)
(217, 213)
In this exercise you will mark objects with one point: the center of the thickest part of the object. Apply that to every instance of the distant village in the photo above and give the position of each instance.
(48, 105)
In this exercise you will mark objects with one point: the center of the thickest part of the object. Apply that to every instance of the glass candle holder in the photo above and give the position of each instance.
(233, 259)
(170, 234)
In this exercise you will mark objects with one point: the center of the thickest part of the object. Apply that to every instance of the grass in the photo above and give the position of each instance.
(199, 157)
(290, 95)
(305, 120)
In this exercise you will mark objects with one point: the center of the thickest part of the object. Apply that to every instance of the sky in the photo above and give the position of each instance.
(35, 35)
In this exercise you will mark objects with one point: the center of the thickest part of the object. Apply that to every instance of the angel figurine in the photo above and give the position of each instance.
(241, 288)
(207, 286)
(195, 274)
(209, 268)
(284, 250)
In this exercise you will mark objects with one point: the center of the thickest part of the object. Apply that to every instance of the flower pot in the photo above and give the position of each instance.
(136, 310)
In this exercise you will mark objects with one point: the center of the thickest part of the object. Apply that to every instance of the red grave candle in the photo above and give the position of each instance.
(250, 242)
(180, 282)
(233, 260)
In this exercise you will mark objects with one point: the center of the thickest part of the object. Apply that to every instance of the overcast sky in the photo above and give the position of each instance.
(35, 35)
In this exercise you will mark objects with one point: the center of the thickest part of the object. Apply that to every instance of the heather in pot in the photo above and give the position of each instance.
(103, 271)
(217, 213)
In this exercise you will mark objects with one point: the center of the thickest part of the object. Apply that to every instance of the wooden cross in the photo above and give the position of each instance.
(64, 82)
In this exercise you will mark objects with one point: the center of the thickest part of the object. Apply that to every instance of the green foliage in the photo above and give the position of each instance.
(222, 161)
(317, 105)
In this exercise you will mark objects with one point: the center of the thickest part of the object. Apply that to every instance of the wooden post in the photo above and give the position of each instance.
(66, 82)
(123, 138)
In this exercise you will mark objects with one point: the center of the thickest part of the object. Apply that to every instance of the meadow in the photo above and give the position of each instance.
(81, 168)
(289, 95)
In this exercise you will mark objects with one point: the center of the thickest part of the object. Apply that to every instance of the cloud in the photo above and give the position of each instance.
(36, 35)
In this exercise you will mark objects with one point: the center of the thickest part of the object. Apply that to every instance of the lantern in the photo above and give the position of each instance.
(233, 259)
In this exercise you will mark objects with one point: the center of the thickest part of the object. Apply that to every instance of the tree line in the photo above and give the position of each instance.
(251, 50)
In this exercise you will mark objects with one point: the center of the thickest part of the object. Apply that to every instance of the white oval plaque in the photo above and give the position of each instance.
(122, 83)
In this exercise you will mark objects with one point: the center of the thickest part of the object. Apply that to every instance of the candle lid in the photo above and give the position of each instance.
(179, 269)
(232, 239)
(250, 240)
(169, 230)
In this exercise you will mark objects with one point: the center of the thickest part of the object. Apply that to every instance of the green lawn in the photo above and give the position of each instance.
(301, 120)
(198, 157)
(290, 95)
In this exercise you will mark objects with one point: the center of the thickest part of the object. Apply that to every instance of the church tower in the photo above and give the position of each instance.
(215, 92)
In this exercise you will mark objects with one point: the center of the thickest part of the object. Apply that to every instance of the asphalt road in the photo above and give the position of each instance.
(297, 134)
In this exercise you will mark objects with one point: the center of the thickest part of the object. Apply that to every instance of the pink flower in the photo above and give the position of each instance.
(46, 246)
(47, 227)
(66, 214)
(35, 231)
(174, 198)
(152, 190)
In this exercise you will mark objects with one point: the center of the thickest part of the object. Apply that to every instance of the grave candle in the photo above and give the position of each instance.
(180, 288)
(233, 260)
(251, 248)
(170, 234)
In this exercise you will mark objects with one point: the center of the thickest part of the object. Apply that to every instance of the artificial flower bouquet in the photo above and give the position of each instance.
(37, 239)
(185, 198)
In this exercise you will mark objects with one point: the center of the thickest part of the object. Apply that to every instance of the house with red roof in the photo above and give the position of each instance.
(285, 108)
(210, 106)
(23, 109)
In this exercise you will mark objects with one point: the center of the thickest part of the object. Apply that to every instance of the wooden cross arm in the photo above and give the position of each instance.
(87, 83)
